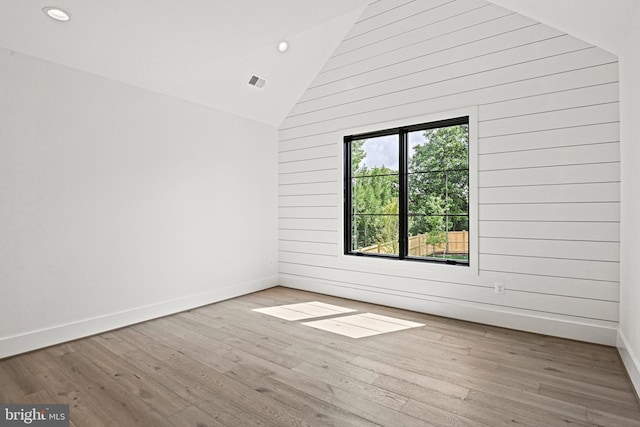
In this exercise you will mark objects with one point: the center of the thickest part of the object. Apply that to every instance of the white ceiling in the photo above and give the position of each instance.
(203, 51)
(603, 23)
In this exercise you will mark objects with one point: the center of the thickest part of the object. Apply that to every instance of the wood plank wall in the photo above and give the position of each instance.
(548, 164)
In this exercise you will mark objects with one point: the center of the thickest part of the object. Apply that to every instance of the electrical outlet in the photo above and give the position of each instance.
(499, 288)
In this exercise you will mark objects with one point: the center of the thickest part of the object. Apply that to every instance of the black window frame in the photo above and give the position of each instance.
(403, 175)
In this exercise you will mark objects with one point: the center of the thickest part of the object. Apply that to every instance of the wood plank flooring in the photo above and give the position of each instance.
(225, 365)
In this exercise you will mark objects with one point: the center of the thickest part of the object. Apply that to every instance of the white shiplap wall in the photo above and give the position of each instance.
(548, 165)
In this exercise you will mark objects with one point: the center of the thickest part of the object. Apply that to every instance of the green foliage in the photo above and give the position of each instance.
(436, 224)
(390, 233)
(357, 155)
(372, 194)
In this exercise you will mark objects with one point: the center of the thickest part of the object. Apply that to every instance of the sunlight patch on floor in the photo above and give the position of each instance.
(362, 325)
(305, 310)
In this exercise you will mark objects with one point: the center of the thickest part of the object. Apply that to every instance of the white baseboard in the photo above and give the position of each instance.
(564, 328)
(10, 346)
(630, 360)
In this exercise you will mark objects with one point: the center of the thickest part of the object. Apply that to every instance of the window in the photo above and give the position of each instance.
(407, 192)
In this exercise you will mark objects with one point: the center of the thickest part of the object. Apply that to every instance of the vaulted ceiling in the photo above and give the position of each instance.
(205, 51)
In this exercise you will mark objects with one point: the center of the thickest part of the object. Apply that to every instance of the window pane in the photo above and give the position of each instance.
(439, 149)
(377, 194)
(374, 156)
(457, 192)
(375, 234)
(439, 193)
(436, 237)
(427, 193)
(458, 237)
(458, 223)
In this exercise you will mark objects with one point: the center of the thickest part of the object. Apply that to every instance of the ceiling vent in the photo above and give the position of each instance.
(257, 81)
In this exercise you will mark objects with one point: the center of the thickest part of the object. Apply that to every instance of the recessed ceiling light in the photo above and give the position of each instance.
(283, 46)
(56, 13)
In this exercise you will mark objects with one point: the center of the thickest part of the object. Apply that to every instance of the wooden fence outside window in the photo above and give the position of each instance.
(457, 244)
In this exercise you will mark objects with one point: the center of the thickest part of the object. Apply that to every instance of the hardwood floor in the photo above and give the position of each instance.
(225, 365)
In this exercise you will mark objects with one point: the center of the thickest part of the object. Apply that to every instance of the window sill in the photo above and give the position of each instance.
(410, 267)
